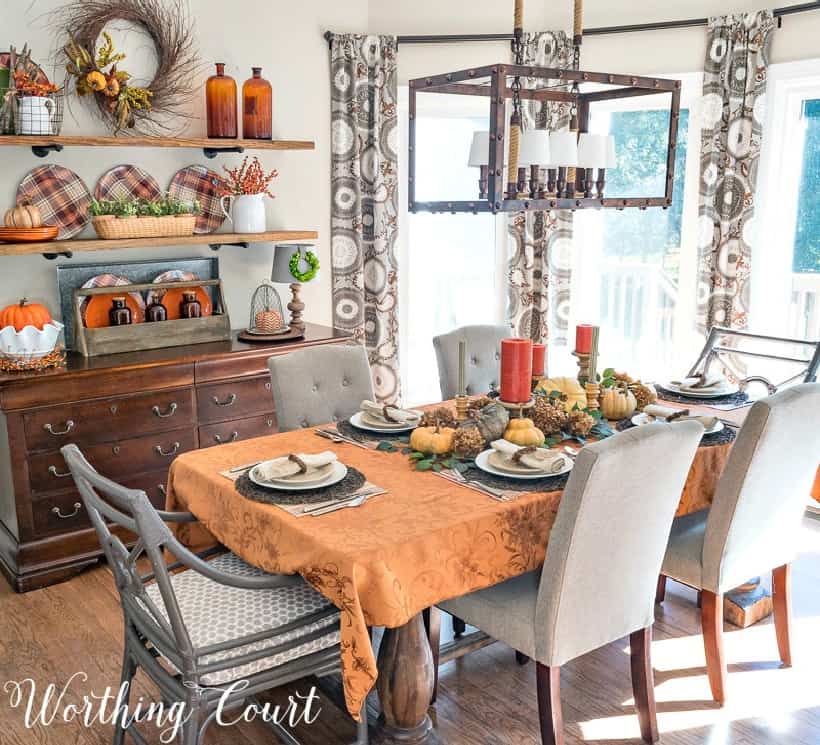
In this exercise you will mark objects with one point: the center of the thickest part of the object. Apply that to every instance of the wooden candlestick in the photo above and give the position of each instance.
(462, 404)
(583, 366)
(296, 306)
(593, 391)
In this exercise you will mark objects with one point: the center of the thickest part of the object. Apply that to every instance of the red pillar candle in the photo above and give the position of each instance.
(516, 370)
(583, 338)
(539, 358)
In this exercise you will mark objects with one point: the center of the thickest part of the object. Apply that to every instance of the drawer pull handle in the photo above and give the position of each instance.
(172, 409)
(229, 401)
(269, 422)
(267, 386)
(161, 489)
(167, 453)
(77, 508)
(233, 438)
(56, 474)
(69, 425)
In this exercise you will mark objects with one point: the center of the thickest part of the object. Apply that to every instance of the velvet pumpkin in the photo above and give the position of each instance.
(24, 314)
(23, 216)
(572, 391)
(523, 432)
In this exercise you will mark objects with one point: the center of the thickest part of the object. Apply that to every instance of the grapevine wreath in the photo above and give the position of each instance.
(313, 265)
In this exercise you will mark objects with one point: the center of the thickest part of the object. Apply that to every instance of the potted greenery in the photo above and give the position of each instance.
(165, 217)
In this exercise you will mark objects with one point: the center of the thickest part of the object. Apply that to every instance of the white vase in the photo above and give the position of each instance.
(247, 212)
(36, 115)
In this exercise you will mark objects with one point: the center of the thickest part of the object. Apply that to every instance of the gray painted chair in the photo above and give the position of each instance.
(622, 496)
(319, 385)
(196, 632)
(483, 355)
(754, 519)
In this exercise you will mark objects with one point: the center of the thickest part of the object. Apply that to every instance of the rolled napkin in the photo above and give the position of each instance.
(295, 464)
(538, 459)
(670, 414)
(389, 414)
(705, 382)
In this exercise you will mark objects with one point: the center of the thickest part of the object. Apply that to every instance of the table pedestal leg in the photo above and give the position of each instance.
(405, 685)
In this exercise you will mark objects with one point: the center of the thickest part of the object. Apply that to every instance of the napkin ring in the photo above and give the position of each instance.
(299, 462)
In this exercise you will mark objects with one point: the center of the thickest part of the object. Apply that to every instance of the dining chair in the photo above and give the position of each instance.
(483, 344)
(319, 384)
(197, 632)
(754, 520)
(598, 580)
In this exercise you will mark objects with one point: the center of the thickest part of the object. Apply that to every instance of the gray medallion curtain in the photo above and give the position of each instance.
(734, 87)
(364, 200)
(539, 265)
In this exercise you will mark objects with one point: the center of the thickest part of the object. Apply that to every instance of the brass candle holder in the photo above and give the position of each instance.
(462, 404)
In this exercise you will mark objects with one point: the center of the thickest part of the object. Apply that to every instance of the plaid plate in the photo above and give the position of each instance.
(207, 187)
(127, 182)
(60, 195)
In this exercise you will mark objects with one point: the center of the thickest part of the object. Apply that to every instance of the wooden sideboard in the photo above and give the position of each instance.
(131, 414)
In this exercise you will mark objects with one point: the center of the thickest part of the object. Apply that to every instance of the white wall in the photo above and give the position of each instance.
(285, 39)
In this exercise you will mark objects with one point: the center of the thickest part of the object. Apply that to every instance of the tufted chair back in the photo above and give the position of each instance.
(483, 358)
(319, 385)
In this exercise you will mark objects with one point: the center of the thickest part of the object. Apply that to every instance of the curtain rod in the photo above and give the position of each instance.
(599, 31)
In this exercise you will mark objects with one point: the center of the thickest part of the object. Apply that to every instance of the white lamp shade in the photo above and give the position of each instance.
(611, 158)
(534, 148)
(563, 149)
(480, 150)
(592, 150)
(281, 261)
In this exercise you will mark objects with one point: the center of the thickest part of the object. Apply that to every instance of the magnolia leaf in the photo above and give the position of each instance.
(386, 446)
(424, 465)
(437, 467)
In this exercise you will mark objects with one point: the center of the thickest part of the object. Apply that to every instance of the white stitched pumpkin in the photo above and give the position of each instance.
(23, 216)
(618, 402)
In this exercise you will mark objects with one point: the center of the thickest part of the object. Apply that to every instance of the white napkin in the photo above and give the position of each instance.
(389, 414)
(664, 413)
(538, 459)
(706, 383)
(295, 464)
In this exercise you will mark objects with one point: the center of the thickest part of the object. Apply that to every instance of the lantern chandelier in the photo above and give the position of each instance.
(544, 170)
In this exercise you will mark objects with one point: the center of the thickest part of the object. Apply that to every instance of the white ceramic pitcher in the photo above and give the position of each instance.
(246, 213)
(36, 114)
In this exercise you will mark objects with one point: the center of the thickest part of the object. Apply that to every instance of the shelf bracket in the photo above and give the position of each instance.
(53, 256)
(217, 246)
(212, 152)
(41, 151)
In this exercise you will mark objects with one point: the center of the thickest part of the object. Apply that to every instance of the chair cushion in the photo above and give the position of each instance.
(684, 554)
(214, 613)
(505, 611)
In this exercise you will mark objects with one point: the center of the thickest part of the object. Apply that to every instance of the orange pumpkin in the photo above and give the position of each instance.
(24, 314)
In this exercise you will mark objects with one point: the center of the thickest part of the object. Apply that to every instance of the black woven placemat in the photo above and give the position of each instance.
(548, 483)
(348, 485)
(366, 437)
(726, 435)
(732, 398)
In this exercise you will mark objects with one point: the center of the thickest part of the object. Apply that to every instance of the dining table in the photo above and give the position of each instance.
(425, 539)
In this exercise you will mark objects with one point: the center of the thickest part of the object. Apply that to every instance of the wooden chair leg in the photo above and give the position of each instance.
(699, 601)
(548, 680)
(781, 596)
(432, 624)
(643, 683)
(660, 593)
(459, 627)
(712, 624)
(521, 658)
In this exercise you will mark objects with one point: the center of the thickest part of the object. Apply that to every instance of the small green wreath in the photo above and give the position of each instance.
(312, 261)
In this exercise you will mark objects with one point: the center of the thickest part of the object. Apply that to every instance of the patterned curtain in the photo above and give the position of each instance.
(734, 87)
(539, 266)
(364, 200)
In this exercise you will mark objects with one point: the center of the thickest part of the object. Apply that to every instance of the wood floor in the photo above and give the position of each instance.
(484, 698)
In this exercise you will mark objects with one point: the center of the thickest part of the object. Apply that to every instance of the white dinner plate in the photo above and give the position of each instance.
(482, 461)
(643, 418)
(358, 421)
(726, 390)
(337, 473)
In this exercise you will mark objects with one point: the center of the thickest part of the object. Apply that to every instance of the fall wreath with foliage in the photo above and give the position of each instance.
(95, 65)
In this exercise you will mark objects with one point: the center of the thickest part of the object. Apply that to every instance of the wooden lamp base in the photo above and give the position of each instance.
(296, 306)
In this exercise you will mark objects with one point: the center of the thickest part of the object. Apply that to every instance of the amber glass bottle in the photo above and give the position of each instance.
(220, 100)
(257, 107)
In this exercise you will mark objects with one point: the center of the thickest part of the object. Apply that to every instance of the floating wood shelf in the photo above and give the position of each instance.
(53, 249)
(42, 145)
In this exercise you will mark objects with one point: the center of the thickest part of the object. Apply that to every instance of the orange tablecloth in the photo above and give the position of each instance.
(424, 541)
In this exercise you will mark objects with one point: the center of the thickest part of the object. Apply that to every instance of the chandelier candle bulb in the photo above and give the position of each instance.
(516, 370)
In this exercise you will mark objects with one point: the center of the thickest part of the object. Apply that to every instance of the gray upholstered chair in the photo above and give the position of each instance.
(195, 632)
(319, 384)
(598, 579)
(483, 355)
(754, 519)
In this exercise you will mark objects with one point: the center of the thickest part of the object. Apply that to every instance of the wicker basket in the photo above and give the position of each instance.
(171, 226)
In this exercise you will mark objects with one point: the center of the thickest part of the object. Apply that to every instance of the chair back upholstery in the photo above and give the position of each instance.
(607, 544)
(319, 385)
(762, 493)
(483, 355)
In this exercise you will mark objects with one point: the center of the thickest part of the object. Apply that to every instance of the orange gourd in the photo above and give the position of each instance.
(24, 314)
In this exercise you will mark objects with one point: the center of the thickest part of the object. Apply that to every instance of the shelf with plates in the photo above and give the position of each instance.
(41, 146)
(53, 249)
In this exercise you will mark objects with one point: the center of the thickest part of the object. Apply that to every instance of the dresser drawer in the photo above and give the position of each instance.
(48, 471)
(109, 420)
(237, 429)
(234, 400)
(64, 512)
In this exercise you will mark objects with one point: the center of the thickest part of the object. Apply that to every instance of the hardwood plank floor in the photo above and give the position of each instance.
(484, 698)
